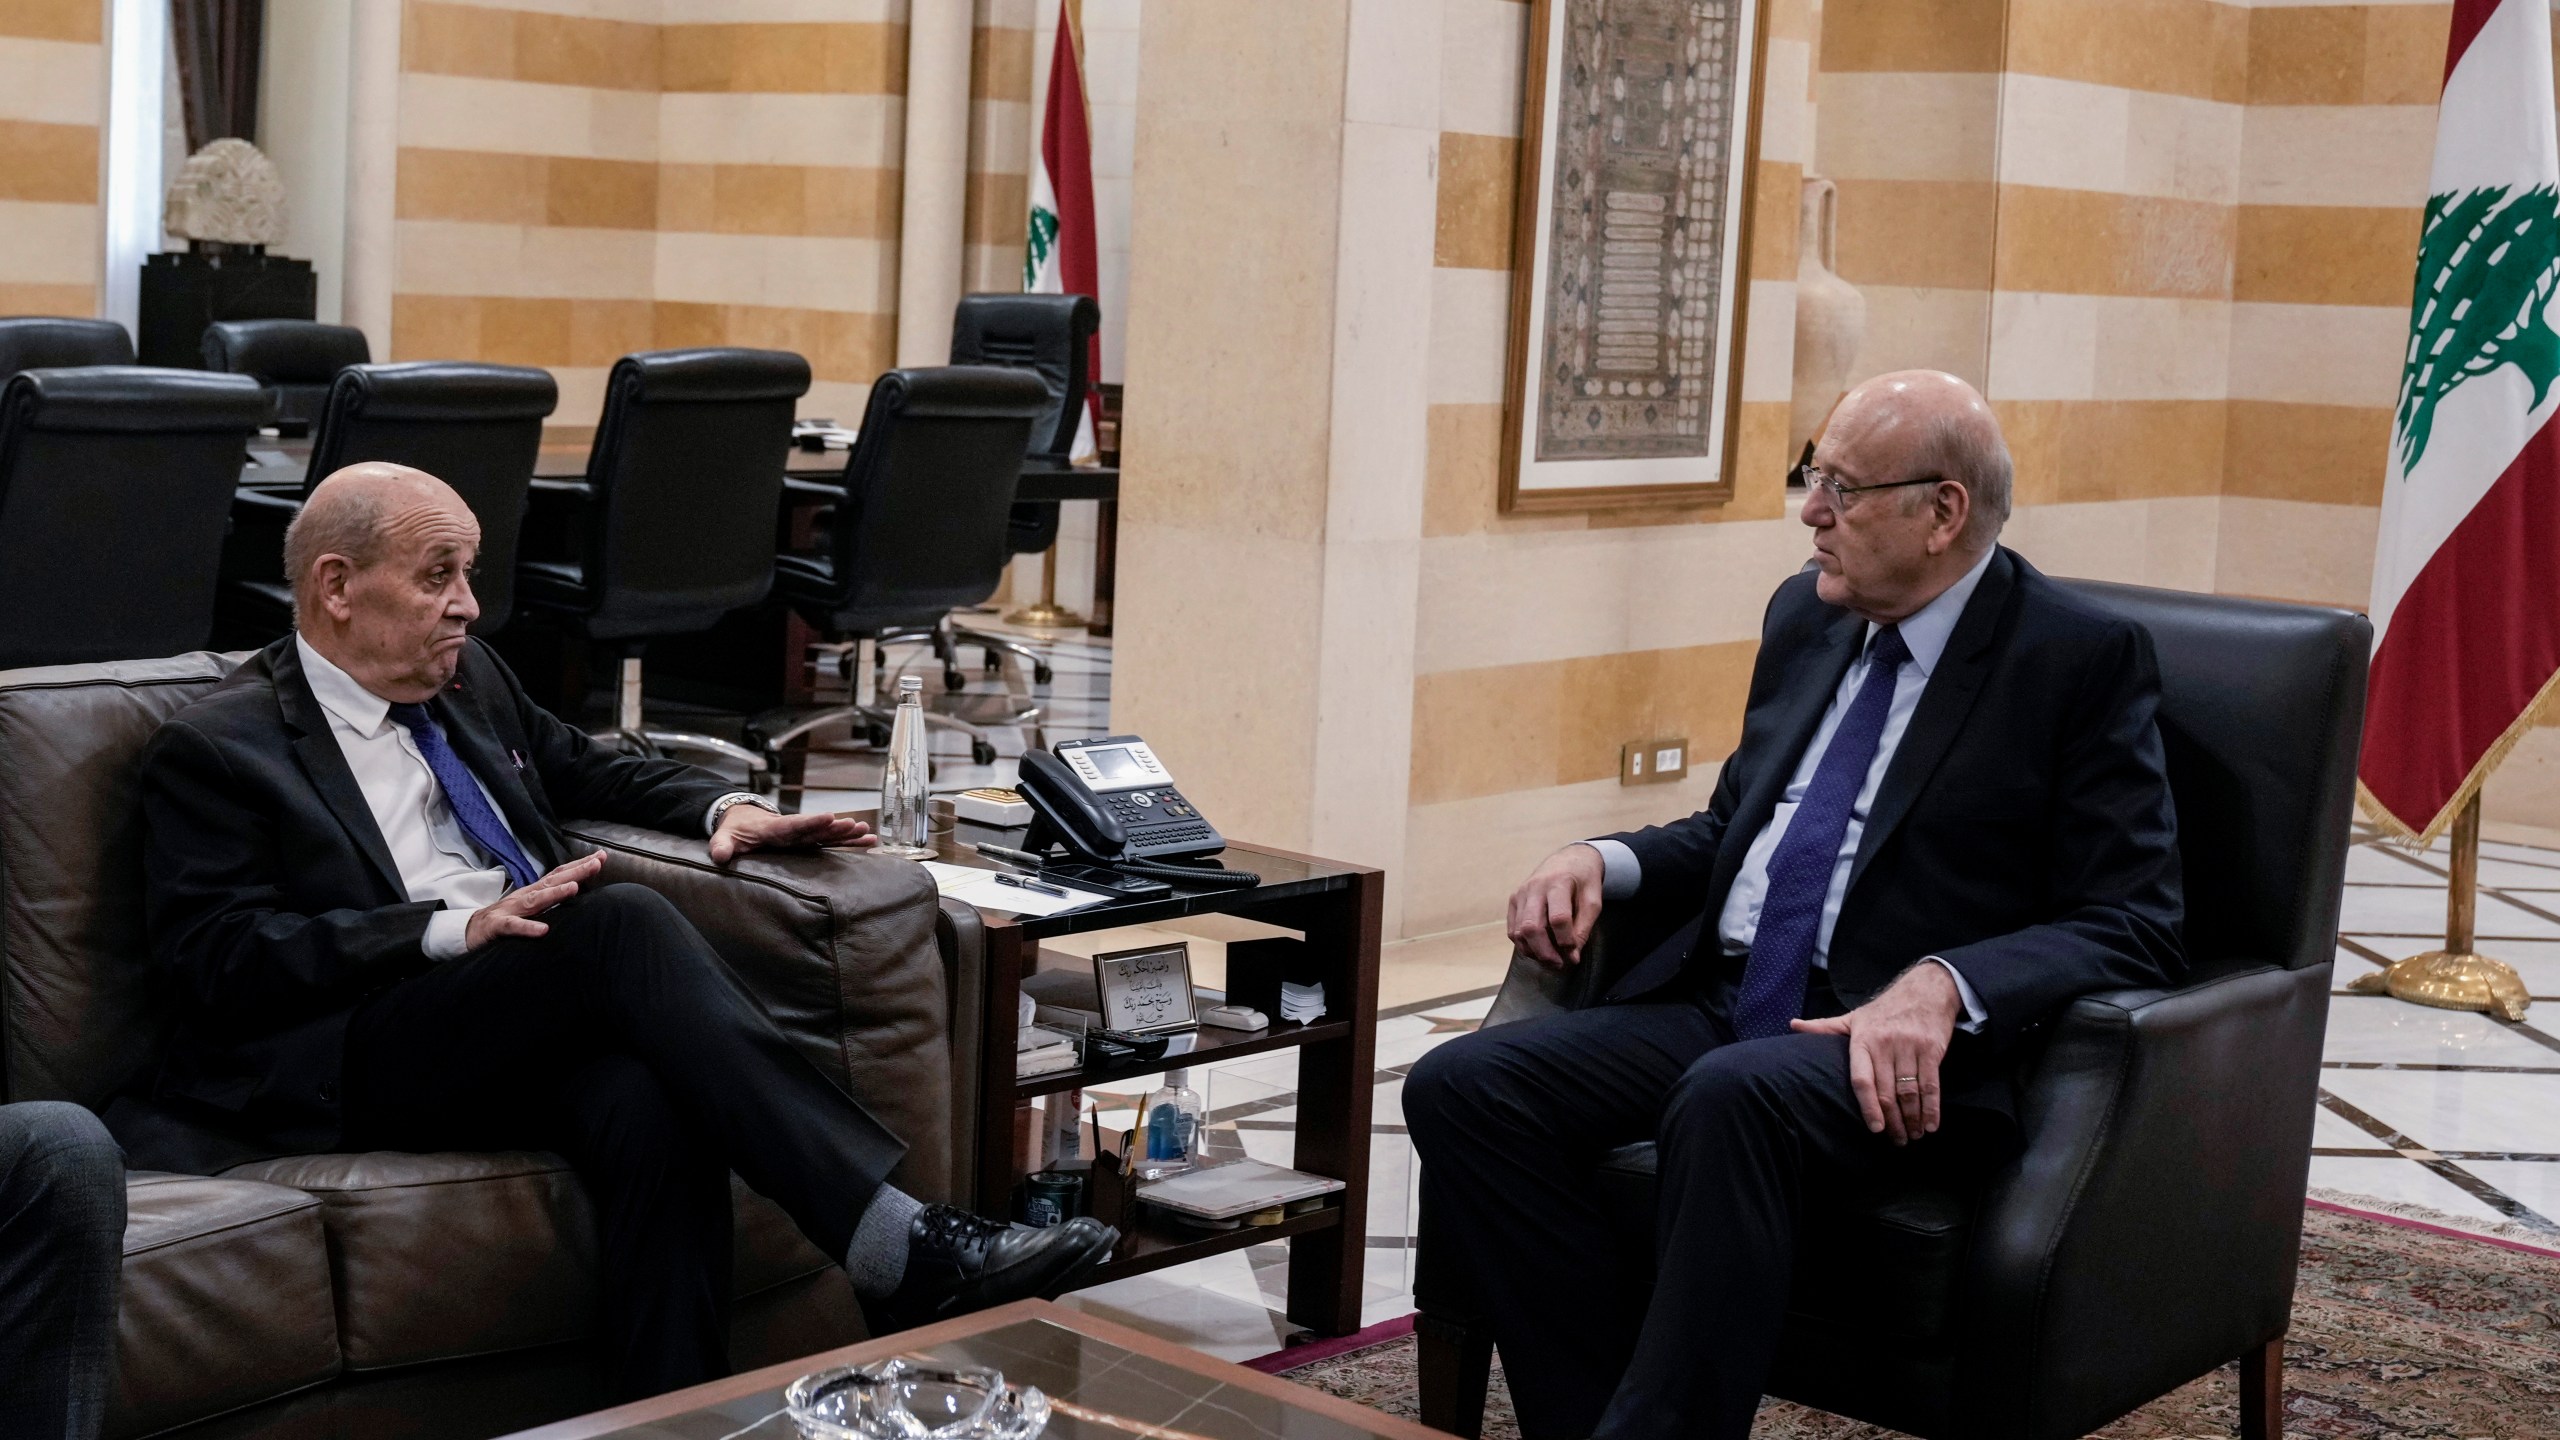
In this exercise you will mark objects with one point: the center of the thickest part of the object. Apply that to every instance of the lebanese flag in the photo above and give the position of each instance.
(1059, 256)
(2466, 577)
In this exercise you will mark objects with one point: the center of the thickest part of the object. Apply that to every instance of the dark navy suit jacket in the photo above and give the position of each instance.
(2023, 830)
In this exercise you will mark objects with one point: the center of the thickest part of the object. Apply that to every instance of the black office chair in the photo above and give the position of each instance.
(295, 359)
(115, 487)
(676, 516)
(919, 529)
(1052, 336)
(476, 427)
(57, 342)
(2150, 1230)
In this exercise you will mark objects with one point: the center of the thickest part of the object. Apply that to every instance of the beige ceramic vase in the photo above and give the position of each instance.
(1831, 316)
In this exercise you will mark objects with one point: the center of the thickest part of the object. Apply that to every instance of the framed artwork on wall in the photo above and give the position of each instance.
(1632, 252)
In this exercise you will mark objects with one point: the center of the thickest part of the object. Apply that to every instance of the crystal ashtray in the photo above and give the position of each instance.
(902, 1400)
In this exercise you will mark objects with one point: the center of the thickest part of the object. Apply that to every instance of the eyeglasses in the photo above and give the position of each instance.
(1812, 475)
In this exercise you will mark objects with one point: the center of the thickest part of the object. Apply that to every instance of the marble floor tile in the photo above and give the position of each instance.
(2413, 910)
(2328, 1132)
(2404, 1182)
(2534, 1183)
(2380, 1029)
(2457, 1110)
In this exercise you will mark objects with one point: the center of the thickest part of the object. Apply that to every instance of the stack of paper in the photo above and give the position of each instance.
(1040, 1051)
(1301, 1004)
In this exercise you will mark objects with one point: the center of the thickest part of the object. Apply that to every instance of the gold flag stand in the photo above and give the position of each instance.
(1048, 614)
(2455, 978)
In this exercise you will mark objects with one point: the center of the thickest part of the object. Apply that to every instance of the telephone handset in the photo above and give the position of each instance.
(1111, 802)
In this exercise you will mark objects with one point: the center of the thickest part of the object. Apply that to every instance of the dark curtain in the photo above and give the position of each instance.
(218, 51)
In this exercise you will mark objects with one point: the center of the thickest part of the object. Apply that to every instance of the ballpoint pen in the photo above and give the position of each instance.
(1020, 883)
(1006, 852)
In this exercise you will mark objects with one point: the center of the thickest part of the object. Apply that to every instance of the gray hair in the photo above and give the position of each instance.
(347, 521)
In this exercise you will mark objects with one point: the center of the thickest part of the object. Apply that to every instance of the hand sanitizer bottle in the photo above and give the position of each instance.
(905, 783)
(1173, 1128)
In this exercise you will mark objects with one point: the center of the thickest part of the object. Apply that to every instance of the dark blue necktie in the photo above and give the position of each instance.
(1800, 869)
(462, 792)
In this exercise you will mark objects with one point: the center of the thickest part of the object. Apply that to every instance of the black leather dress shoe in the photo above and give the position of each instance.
(958, 1262)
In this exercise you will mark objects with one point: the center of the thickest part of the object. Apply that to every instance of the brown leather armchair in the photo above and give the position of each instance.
(393, 1293)
(2150, 1229)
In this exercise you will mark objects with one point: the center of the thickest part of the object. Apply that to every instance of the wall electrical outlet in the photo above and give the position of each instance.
(1653, 762)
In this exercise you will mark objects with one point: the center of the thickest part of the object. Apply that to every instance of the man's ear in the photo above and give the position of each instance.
(329, 577)
(1950, 506)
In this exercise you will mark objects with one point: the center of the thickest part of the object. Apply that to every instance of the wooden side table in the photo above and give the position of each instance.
(1338, 908)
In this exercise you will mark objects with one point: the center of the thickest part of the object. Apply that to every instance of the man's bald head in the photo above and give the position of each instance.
(1915, 423)
(380, 557)
(355, 512)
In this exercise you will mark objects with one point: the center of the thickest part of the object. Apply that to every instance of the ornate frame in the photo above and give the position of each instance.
(1530, 207)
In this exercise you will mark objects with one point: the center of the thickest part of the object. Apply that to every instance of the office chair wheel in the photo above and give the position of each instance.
(953, 681)
(995, 661)
(1041, 674)
(876, 736)
(980, 752)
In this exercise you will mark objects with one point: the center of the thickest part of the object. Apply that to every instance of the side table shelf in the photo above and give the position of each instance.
(1338, 908)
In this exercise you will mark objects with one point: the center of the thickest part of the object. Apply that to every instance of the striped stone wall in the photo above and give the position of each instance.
(2172, 240)
(583, 178)
(53, 103)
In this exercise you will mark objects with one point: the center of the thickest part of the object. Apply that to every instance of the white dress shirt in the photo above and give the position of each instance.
(1925, 633)
(435, 858)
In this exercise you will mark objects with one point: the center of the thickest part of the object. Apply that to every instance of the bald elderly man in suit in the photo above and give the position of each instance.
(1948, 817)
(381, 939)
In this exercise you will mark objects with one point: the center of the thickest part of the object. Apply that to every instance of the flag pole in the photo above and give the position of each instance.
(2455, 977)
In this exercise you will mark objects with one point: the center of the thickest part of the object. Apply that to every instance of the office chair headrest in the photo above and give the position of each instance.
(135, 399)
(303, 352)
(44, 342)
(445, 390)
(711, 373)
(1069, 317)
(961, 392)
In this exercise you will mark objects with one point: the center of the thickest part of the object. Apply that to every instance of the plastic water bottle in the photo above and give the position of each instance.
(1174, 1113)
(905, 781)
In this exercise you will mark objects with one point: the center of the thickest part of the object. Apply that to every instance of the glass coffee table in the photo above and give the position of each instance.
(1104, 1382)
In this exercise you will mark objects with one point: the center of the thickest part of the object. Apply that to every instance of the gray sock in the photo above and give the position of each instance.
(877, 1259)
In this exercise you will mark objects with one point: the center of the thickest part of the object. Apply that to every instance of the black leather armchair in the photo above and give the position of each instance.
(919, 528)
(115, 487)
(55, 342)
(295, 359)
(476, 427)
(674, 525)
(2150, 1229)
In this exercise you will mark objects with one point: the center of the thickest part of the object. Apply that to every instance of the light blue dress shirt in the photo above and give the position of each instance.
(1926, 632)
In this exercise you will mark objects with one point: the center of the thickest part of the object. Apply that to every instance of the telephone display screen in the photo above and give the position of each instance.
(1115, 763)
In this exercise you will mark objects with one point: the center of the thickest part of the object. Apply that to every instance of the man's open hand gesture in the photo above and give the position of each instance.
(752, 827)
(511, 915)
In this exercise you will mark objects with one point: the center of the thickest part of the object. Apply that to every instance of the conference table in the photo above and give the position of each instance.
(278, 464)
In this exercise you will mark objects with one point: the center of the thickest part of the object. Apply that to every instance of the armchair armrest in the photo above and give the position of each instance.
(2155, 1213)
(1624, 936)
(840, 949)
(797, 491)
(560, 490)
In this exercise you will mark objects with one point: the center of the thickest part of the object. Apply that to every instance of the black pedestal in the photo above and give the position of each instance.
(183, 292)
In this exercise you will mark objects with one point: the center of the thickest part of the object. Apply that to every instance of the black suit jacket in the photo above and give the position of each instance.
(273, 901)
(2023, 830)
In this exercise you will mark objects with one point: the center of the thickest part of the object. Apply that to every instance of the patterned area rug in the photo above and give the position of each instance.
(2401, 1331)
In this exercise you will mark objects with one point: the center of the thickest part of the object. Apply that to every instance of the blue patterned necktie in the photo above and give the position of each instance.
(1800, 869)
(462, 792)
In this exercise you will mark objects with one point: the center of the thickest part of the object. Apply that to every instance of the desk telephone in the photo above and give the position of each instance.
(1111, 802)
